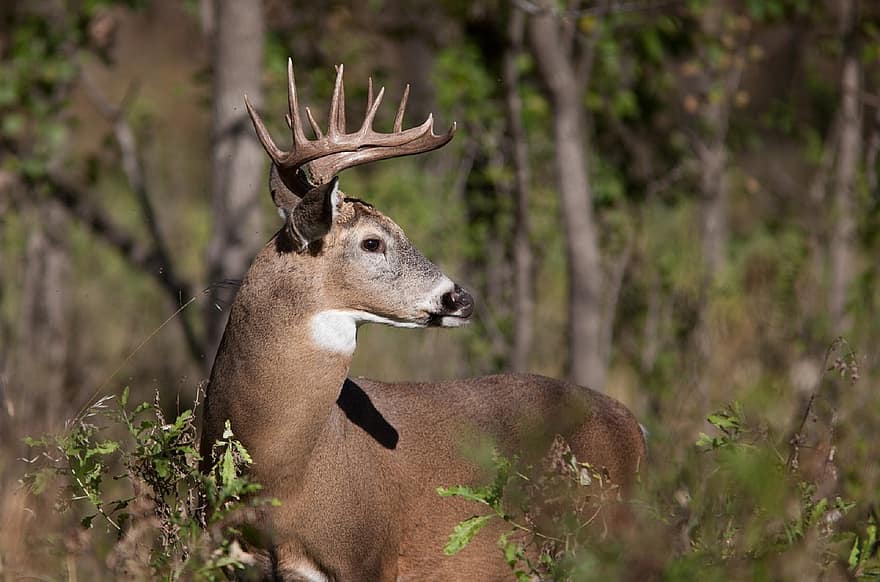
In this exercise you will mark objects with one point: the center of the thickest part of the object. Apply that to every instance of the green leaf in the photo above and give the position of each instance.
(512, 551)
(707, 442)
(32, 442)
(478, 495)
(245, 456)
(142, 407)
(227, 467)
(103, 448)
(854, 554)
(464, 532)
(123, 400)
(818, 511)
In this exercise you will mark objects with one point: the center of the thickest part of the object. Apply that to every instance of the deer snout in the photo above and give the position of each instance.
(458, 302)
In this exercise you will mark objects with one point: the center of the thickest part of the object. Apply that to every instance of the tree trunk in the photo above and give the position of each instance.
(585, 277)
(713, 183)
(842, 244)
(523, 274)
(713, 149)
(36, 398)
(237, 160)
(713, 209)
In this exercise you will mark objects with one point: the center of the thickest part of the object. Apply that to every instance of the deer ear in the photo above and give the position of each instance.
(313, 217)
(282, 195)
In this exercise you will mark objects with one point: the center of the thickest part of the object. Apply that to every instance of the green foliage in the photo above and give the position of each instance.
(464, 532)
(39, 68)
(547, 510)
(863, 559)
(729, 423)
(745, 509)
(180, 520)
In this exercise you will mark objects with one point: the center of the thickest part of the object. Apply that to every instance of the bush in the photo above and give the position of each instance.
(746, 504)
(171, 520)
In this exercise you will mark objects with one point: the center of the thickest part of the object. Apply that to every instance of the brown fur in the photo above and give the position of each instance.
(356, 463)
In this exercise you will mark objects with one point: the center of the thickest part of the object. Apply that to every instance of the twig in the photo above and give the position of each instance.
(146, 340)
(142, 256)
(797, 438)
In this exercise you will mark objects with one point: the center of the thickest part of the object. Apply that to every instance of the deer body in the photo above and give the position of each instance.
(356, 463)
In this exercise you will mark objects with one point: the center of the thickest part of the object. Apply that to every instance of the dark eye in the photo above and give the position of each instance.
(373, 245)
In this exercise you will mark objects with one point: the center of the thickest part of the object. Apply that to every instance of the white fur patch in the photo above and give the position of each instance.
(452, 321)
(335, 330)
(308, 572)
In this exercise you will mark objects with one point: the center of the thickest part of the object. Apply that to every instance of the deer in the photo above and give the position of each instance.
(355, 463)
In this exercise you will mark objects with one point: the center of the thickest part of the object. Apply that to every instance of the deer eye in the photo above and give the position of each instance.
(373, 245)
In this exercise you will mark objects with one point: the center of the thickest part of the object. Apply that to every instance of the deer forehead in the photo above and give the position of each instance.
(353, 212)
(359, 218)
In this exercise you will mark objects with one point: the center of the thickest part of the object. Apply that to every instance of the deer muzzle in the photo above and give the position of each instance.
(457, 308)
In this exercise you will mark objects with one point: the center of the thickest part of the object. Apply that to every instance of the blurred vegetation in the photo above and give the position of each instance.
(174, 522)
(749, 503)
(728, 505)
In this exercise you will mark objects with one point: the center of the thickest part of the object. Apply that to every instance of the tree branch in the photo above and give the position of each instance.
(139, 255)
(132, 166)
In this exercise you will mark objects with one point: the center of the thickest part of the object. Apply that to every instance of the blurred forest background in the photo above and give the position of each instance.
(673, 201)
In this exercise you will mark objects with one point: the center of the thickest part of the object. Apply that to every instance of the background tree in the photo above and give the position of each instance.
(842, 253)
(564, 58)
(238, 175)
(694, 182)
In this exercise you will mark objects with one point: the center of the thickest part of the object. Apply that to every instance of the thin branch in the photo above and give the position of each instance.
(663, 183)
(587, 55)
(819, 183)
(614, 273)
(142, 256)
(133, 168)
(796, 442)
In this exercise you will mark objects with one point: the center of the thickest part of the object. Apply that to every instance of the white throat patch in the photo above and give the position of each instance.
(335, 330)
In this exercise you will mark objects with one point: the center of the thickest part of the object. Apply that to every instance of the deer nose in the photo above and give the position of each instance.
(459, 302)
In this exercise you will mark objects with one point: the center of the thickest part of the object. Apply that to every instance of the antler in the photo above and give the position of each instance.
(337, 150)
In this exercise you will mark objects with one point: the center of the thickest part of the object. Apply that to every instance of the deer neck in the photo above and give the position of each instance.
(280, 367)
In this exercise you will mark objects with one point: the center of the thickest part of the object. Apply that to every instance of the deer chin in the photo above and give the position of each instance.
(445, 320)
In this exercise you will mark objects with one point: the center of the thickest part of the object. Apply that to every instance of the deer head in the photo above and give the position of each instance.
(359, 263)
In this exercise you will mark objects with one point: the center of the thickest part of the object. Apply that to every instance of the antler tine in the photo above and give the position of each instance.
(336, 125)
(369, 93)
(315, 127)
(274, 151)
(398, 120)
(367, 126)
(294, 121)
(341, 104)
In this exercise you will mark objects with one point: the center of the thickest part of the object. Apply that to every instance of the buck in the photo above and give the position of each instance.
(356, 462)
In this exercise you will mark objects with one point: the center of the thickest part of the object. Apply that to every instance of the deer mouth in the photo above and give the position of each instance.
(448, 320)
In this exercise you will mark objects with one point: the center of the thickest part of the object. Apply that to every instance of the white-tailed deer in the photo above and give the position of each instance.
(356, 462)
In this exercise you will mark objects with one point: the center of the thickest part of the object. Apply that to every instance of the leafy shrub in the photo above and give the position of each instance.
(171, 520)
(549, 523)
(747, 504)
